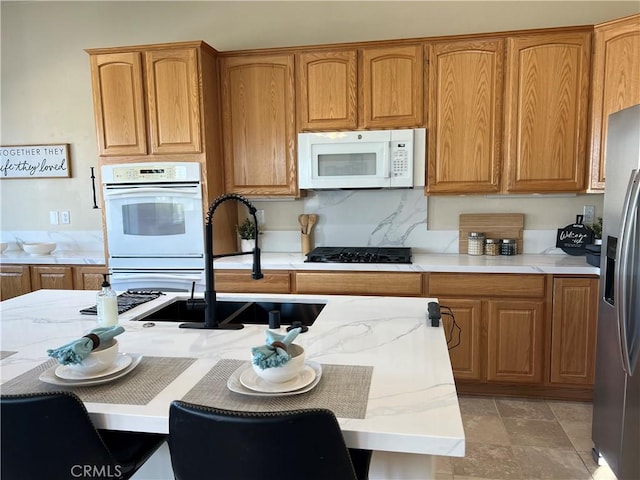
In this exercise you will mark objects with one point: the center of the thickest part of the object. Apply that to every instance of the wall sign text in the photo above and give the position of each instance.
(34, 161)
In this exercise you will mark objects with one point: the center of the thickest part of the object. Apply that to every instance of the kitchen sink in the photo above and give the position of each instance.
(258, 313)
(181, 311)
(240, 312)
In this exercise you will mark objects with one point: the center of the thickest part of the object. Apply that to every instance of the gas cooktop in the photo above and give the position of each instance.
(359, 255)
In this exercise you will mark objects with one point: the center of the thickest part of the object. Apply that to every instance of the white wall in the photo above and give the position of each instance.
(46, 92)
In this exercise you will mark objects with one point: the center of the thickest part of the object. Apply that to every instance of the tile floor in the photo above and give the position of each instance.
(509, 438)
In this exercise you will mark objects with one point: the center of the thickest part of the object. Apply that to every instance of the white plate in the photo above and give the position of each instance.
(250, 379)
(49, 375)
(67, 372)
(235, 386)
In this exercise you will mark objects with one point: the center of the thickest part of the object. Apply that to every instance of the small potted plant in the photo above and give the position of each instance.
(247, 233)
(596, 228)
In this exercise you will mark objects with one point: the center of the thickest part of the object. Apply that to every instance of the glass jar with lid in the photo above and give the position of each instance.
(491, 247)
(508, 246)
(475, 243)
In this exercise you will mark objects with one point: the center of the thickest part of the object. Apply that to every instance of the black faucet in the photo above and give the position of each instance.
(210, 321)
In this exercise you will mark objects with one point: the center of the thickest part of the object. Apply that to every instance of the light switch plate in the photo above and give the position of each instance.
(53, 217)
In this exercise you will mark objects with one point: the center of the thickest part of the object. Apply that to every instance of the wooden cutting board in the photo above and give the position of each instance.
(494, 225)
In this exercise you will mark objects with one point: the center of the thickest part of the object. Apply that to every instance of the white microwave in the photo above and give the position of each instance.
(362, 159)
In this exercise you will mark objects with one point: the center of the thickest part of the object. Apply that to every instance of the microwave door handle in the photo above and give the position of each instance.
(625, 242)
(386, 160)
(138, 192)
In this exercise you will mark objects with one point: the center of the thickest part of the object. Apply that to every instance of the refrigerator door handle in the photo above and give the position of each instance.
(625, 243)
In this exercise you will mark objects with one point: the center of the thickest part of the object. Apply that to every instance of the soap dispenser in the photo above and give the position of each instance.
(107, 305)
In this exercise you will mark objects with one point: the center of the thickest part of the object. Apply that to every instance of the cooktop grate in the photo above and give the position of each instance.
(359, 255)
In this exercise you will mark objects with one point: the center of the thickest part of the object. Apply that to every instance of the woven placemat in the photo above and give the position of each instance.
(139, 387)
(343, 389)
(5, 353)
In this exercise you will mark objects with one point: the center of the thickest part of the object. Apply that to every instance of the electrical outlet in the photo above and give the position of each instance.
(64, 217)
(260, 216)
(53, 217)
(589, 213)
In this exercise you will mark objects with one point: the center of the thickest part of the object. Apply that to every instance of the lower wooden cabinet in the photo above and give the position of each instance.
(465, 348)
(401, 284)
(515, 341)
(573, 330)
(51, 277)
(522, 335)
(240, 281)
(17, 279)
(89, 277)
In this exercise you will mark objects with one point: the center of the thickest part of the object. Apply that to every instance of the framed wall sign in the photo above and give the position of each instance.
(35, 161)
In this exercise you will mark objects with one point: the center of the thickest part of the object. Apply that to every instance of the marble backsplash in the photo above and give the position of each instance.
(389, 218)
(67, 241)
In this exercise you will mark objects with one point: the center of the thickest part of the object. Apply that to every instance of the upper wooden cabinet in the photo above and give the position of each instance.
(392, 87)
(174, 100)
(371, 87)
(147, 100)
(615, 82)
(118, 103)
(327, 90)
(546, 112)
(259, 125)
(509, 114)
(465, 116)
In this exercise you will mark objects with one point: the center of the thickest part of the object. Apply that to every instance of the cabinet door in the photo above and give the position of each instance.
(89, 278)
(616, 83)
(547, 92)
(56, 278)
(15, 280)
(515, 340)
(392, 87)
(466, 356)
(118, 103)
(465, 116)
(395, 284)
(573, 330)
(240, 281)
(174, 100)
(327, 90)
(259, 125)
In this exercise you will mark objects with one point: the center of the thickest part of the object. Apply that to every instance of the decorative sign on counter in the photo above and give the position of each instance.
(34, 161)
(574, 238)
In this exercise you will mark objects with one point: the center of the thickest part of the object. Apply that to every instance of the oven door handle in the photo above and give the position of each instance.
(145, 191)
(154, 276)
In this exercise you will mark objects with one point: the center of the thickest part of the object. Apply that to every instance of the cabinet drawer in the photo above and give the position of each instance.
(362, 283)
(486, 285)
(240, 281)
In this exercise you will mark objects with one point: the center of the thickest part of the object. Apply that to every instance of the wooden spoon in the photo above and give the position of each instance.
(303, 220)
(313, 219)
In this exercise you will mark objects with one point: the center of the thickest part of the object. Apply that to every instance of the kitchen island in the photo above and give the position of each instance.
(410, 411)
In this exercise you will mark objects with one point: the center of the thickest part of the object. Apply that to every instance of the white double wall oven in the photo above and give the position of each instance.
(154, 225)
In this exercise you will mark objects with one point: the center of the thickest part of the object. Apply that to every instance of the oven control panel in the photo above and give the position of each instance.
(151, 172)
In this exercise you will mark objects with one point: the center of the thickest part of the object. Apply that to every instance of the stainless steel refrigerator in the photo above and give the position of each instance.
(616, 397)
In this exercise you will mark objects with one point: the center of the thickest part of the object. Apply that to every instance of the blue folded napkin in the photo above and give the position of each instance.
(267, 356)
(74, 352)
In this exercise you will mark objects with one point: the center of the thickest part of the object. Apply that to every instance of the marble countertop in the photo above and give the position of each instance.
(428, 262)
(57, 257)
(412, 405)
(559, 264)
